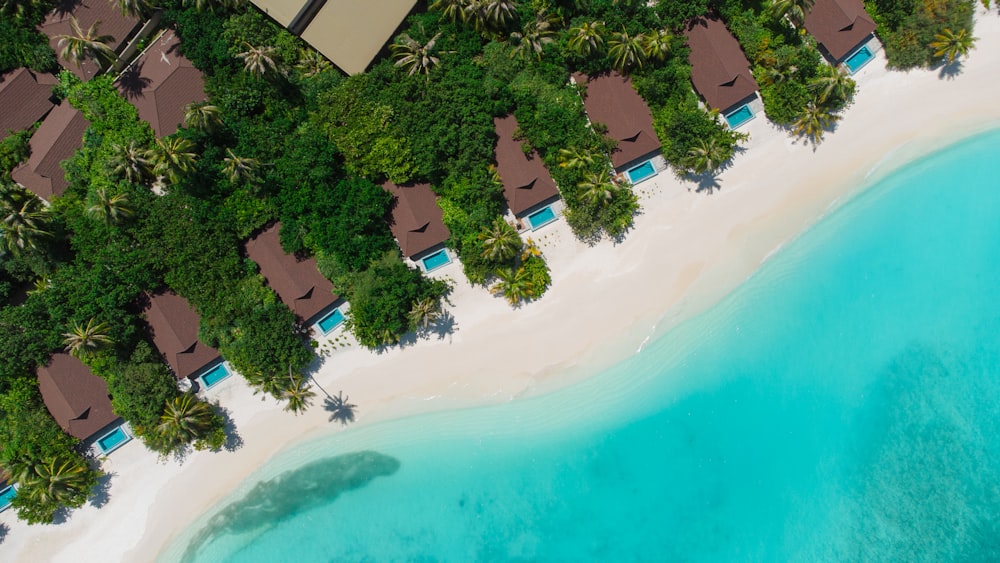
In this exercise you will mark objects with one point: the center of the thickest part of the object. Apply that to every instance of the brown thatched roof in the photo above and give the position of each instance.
(416, 218)
(25, 98)
(56, 139)
(160, 83)
(297, 282)
(88, 12)
(78, 400)
(526, 181)
(174, 327)
(719, 69)
(611, 100)
(839, 25)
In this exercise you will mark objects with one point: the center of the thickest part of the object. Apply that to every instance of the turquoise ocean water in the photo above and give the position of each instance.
(842, 405)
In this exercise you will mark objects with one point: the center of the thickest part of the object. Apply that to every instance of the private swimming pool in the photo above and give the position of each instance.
(436, 260)
(641, 172)
(214, 375)
(739, 117)
(331, 321)
(860, 58)
(113, 440)
(7, 494)
(541, 218)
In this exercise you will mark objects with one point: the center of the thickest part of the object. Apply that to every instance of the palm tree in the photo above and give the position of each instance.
(202, 116)
(576, 158)
(213, 4)
(311, 62)
(514, 285)
(778, 73)
(706, 156)
(586, 38)
(657, 44)
(814, 120)
(86, 339)
(794, 10)
(138, 9)
(500, 241)
(454, 10)
(130, 162)
(413, 56)
(339, 409)
(185, 419)
(58, 481)
(110, 209)
(24, 221)
(172, 157)
(81, 45)
(597, 188)
(425, 312)
(240, 169)
(535, 35)
(951, 45)
(299, 394)
(490, 14)
(19, 8)
(626, 51)
(259, 61)
(833, 84)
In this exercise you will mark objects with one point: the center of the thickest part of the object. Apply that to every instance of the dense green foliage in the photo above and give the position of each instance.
(21, 44)
(908, 27)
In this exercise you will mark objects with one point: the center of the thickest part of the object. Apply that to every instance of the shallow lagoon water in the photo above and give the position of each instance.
(843, 404)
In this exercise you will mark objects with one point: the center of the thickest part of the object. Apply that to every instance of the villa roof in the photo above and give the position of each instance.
(56, 139)
(416, 218)
(719, 69)
(87, 12)
(282, 11)
(352, 32)
(26, 97)
(160, 83)
(611, 100)
(839, 25)
(77, 399)
(526, 181)
(296, 281)
(174, 327)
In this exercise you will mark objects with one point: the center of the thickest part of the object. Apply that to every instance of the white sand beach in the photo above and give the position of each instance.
(687, 250)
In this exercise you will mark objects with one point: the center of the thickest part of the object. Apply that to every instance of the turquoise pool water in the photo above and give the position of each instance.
(641, 172)
(113, 440)
(541, 218)
(7, 494)
(739, 117)
(436, 260)
(859, 59)
(214, 375)
(841, 405)
(331, 321)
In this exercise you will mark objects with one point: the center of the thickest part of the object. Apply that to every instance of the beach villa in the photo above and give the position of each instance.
(417, 225)
(109, 19)
(297, 282)
(844, 31)
(160, 82)
(348, 32)
(25, 96)
(55, 140)
(79, 402)
(173, 325)
(611, 100)
(720, 71)
(531, 193)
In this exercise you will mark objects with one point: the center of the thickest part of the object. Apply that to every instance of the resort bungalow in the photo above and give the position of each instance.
(297, 282)
(418, 226)
(79, 402)
(160, 83)
(720, 71)
(844, 31)
(348, 32)
(531, 194)
(611, 100)
(25, 97)
(109, 19)
(55, 140)
(173, 325)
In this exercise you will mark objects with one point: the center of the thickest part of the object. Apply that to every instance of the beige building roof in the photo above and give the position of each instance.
(283, 11)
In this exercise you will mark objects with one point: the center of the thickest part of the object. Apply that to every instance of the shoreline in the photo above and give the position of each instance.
(686, 252)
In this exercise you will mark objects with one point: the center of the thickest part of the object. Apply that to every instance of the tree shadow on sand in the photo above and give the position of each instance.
(293, 492)
(4, 530)
(340, 410)
(949, 71)
(102, 491)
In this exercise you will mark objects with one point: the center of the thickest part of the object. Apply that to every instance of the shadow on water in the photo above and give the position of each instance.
(293, 492)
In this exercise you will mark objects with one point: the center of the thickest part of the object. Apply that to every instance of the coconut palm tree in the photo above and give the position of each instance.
(500, 241)
(486, 15)
(597, 188)
(259, 61)
(657, 44)
(339, 409)
(514, 284)
(138, 9)
(814, 120)
(82, 340)
(586, 38)
(298, 394)
(185, 419)
(57, 481)
(414, 57)
(172, 157)
(23, 221)
(454, 10)
(130, 162)
(80, 45)
(424, 312)
(19, 8)
(706, 156)
(576, 158)
(833, 84)
(311, 62)
(202, 116)
(952, 45)
(794, 10)
(535, 35)
(240, 169)
(626, 51)
(110, 209)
